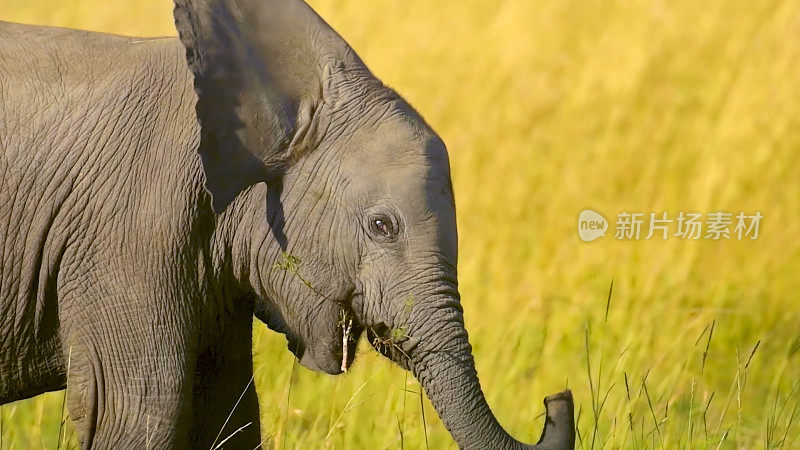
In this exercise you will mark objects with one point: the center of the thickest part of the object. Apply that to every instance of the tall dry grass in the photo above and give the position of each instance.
(549, 107)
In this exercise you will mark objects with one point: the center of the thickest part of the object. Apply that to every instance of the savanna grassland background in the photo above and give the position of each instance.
(549, 107)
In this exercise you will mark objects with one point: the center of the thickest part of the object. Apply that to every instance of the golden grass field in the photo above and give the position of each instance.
(549, 107)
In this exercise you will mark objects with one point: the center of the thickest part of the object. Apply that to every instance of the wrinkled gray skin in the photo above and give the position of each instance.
(130, 268)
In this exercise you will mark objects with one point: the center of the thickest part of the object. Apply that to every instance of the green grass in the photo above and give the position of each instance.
(549, 107)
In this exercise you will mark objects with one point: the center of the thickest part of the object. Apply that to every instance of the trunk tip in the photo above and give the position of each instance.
(565, 395)
(559, 425)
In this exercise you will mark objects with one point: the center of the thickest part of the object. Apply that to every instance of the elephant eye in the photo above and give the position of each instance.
(382, 226)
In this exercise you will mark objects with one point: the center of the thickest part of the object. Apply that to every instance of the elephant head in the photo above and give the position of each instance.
(343, 194)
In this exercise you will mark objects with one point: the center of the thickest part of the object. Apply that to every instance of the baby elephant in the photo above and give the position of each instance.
(149, 208)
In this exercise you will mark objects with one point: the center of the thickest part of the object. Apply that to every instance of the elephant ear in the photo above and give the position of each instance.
(261, 70)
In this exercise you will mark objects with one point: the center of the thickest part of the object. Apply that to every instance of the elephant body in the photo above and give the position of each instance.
(107, 231)
(156, 194)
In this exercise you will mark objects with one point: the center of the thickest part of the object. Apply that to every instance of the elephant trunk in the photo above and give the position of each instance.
(442, 361)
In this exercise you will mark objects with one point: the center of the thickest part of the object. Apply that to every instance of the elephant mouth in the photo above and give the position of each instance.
(328, 346)
(326, 343)
(335, 352)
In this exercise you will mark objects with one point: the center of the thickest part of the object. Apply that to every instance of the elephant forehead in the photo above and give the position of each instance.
(397, 152)
(408, 181)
